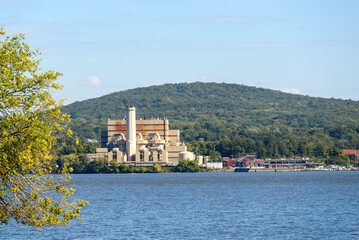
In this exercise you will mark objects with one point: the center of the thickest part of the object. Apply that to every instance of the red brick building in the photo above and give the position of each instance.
(351, 152)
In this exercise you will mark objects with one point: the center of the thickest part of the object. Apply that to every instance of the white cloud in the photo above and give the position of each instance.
(290, 90)
(93, 81)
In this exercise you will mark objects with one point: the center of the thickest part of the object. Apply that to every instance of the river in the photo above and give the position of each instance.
(287, 205)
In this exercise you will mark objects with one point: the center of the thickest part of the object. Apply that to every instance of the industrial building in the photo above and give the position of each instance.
(250, 161)
(141, 142)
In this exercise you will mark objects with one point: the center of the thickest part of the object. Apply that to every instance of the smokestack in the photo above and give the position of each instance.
(131, 133)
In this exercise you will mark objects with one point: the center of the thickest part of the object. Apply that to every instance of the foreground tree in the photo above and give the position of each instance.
(28, 117)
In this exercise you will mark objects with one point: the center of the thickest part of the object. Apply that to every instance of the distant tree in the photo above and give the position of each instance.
(320, 150)
(214, 156)
(99, 165)
(352, 157)
(114, 166)
(334, 151)
(156, 168)
(28, 116)
(187, 166)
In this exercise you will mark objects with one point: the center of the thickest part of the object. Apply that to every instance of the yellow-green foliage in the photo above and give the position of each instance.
(156, 168)
(28, 116)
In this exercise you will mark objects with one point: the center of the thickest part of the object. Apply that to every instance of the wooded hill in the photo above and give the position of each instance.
(230, 114)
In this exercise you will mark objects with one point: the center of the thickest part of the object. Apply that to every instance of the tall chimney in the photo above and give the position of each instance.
(131, 133)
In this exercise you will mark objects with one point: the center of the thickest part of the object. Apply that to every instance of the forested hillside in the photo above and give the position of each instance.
(231, 119)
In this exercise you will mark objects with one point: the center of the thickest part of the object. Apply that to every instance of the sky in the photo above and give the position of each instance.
(298, 46)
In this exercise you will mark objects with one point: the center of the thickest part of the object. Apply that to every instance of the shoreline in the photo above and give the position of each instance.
(247, 170)
(282, 170)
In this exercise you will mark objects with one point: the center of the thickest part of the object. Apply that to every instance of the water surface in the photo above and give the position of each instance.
(295, 205)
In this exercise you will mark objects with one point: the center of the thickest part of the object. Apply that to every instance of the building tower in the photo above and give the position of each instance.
(131, 133)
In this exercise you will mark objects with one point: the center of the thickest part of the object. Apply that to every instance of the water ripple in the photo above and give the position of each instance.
(211, 206)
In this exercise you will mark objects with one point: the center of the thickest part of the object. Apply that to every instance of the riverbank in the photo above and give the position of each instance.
(280, 170)
(227, 170)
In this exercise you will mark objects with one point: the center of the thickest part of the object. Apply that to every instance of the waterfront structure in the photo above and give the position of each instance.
(140, 142)
(202, 161)
(215, 165)
(186, 156)
(90, 140)
(250, 161)
(199, 160)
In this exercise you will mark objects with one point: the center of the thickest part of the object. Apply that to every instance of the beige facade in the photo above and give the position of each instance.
(154, 142)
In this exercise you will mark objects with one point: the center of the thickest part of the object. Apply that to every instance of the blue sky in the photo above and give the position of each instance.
(301, 46)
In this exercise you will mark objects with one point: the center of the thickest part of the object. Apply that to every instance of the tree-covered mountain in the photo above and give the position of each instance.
(219, 113)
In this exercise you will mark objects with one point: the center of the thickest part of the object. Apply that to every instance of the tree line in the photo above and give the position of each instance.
(225, 120)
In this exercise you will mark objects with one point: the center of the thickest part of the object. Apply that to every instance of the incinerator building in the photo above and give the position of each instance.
(140, 142)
